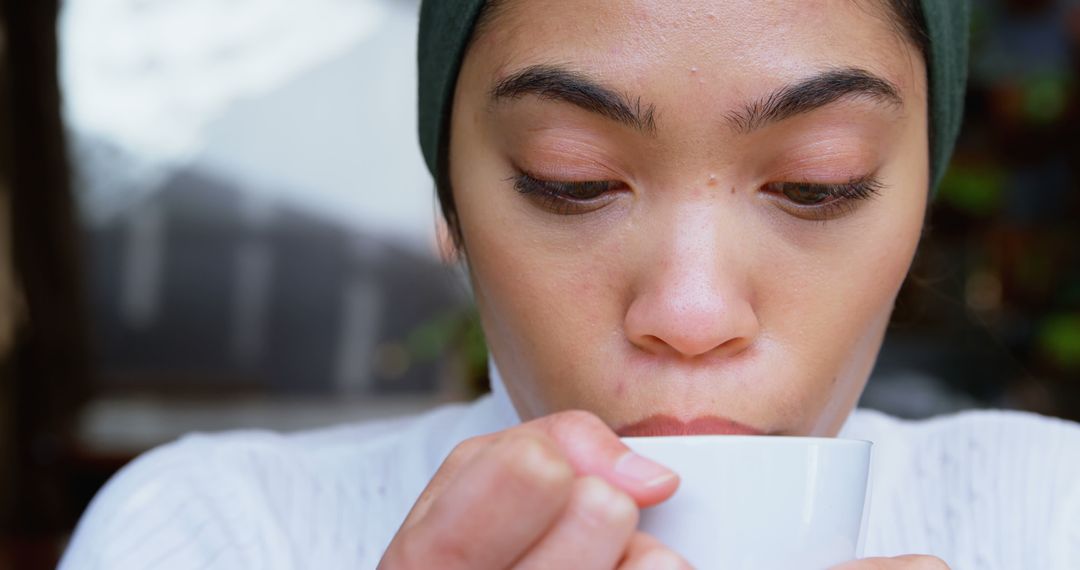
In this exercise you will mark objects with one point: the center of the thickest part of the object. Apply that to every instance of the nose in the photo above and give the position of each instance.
(692, 298)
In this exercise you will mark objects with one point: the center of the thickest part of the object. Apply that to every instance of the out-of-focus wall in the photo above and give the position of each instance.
(7, 314)
(8, 297)
(256, 213)
(47, 368)
(10, 305)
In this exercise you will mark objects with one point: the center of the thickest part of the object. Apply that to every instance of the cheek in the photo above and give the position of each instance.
(556, 300)
(827, 308)
(826, 297)
(546, 325)
(549, 306)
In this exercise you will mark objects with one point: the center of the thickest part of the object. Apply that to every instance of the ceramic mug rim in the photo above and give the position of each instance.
(686, 440)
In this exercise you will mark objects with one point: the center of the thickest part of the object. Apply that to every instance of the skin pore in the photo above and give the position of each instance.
(664, 214)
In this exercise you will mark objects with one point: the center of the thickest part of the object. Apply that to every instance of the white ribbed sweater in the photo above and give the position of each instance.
(981, 490)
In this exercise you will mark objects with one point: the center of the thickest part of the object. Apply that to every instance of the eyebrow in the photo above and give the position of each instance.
(560, 84)
(557, 83)
(813, 93)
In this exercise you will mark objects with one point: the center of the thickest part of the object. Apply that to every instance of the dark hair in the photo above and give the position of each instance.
(907, 15)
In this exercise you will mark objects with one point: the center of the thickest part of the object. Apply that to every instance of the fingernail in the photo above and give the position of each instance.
(647, 472)
(662, 559)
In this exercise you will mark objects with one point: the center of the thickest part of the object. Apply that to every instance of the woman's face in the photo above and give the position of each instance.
(694, 210)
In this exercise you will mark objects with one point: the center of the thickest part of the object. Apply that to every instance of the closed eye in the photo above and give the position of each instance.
(807, 200)
(567, 197)
(824, 201)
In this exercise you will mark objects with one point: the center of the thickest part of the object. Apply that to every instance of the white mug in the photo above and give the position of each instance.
(760, 502)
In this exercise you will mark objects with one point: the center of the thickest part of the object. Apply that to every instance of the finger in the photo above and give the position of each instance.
(906, 562)
(921, 562)
(593, 449)
(592, 532)
(498, 505)
(647, 553)
(461, 455)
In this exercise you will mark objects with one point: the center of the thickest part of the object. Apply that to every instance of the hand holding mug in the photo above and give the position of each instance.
(558, 492)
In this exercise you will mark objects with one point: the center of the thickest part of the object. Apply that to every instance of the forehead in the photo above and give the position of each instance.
(749, 44)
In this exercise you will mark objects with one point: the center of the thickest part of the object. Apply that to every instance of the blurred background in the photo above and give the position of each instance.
(215, 215)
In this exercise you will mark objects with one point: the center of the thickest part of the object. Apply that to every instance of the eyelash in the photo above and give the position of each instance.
(840, 199)
(557, 197)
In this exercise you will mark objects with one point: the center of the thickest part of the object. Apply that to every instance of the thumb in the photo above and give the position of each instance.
(592, 448)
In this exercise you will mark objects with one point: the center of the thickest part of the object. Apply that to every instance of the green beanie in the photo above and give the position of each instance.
(446, 26)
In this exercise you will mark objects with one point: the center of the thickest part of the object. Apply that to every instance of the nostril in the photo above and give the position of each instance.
(733, 346)
(690, 347)
(651, 344)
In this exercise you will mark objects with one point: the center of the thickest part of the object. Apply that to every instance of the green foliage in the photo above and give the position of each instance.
(978, 191)
(1046, 98)
(457, 329)
(1059, 338)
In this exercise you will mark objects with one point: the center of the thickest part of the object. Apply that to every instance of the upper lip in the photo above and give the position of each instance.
(702, 425)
